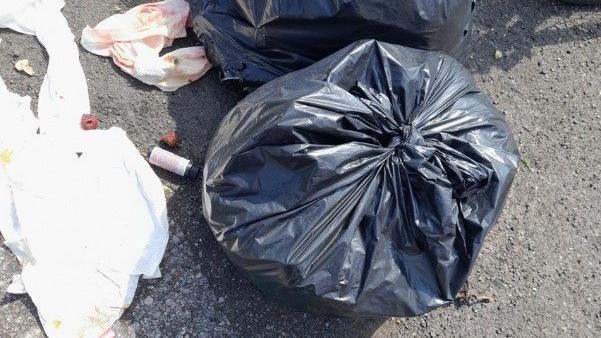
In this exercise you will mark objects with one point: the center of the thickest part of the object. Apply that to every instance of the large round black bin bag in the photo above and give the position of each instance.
(363, 185)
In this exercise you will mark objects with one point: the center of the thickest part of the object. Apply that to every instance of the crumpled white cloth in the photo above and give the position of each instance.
(135, 38)
(81, 210)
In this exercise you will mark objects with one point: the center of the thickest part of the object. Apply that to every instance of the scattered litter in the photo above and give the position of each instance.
(89, 122)
(336, 194)
(170, 139)
(498, 54)
(257, 41)
(469, 300)
(16, 287)
(81, 272)
(526, 163)
(135, 38)
(173, 163)
(25, 67)
(465, 299)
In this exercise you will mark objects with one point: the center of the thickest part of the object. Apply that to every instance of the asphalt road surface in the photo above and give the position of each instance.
(540, 267)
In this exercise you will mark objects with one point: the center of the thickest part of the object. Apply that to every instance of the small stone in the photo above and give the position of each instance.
(25, 67)
(148, 300)
(498, 54)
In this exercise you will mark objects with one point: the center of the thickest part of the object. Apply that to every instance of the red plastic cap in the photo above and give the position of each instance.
(89, 122)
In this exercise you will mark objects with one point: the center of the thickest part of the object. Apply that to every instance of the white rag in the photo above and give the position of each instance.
(81, 210)
(135, 38)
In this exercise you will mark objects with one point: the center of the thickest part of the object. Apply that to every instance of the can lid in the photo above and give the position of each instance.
(194, 172)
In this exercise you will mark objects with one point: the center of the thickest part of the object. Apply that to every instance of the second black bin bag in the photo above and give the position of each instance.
(256, 41)
(362, 185)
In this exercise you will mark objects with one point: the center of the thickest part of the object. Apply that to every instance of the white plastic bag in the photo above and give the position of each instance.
(81, 210)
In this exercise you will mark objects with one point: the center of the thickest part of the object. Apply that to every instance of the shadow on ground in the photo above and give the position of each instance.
(526, 27)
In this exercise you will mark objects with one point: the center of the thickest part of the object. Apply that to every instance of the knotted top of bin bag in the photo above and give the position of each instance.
(362, 185)
(256, 41)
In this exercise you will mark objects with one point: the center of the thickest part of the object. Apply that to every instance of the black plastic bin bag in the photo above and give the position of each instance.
(364, 184)
(256, 41)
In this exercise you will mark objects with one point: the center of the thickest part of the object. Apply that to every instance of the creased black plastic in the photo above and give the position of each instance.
(256, 41)
(364, 184)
